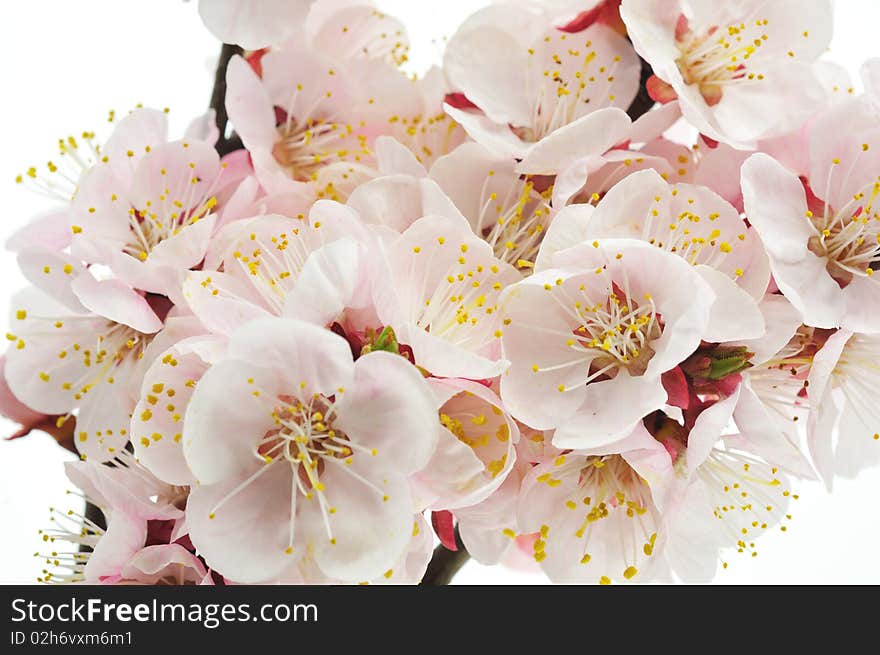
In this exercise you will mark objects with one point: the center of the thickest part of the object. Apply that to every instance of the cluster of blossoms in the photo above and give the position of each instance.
(489, 295)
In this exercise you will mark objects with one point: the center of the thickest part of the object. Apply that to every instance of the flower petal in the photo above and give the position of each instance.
(244, 533)
(734, 314)
(497, 85)
(253, 26)
(391, 409)
(592, 134)
(117, 301)
(602, 419)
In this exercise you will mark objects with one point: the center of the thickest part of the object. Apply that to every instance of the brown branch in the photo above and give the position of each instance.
(218, 101)
(445, 563)
(94, 514)
(643, 102)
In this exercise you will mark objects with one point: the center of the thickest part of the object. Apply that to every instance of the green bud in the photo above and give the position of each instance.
(717, 362)
(727, 360)
(386, 341)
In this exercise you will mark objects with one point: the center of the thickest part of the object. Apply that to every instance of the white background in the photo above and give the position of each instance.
(67, 63)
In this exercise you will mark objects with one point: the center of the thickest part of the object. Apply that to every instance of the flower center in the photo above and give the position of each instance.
(572, 78)
(781, 383)
(304, 148)
(102, 347)
(609, 493)
(608, 329)
(849, 238)
(161, 220)
(716, 57)
(615, 332)
(514, 221)
(748, 496)
(304, 437)
(620, 331)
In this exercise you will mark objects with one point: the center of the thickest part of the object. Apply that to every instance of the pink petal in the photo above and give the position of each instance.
(124, 537)
(117, 301)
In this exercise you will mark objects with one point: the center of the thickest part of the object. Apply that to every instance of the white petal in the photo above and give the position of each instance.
(498, 84)
(390, 407)
(297, 352)
(498, 138)
(248, 104)
(604, 417)
(116, 301)
(776, 206)
(782, 320)
(248, 536)
(707, 430)
(734, 314)
(592, 134)
(363, 549)
(253, 25)
(225, 421)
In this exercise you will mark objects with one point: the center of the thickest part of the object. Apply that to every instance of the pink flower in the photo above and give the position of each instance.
(741, 70)
(476, 449)
(317, 269)
(595, 512)
(309, 121)
(503, 208)
(441, 298)
(600, 345)
(772, 401)
(548, 97)
(83, 344)
(703, 229)
(138, 509)
(605, 324)
(726, 492)
(147, 208)
(293, 444)
(822, 246)
(842, 382)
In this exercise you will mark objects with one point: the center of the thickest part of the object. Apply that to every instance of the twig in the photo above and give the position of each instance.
(445, 563)
(218, 100)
